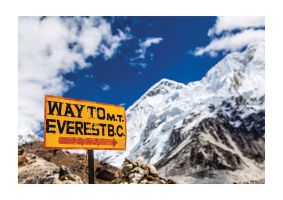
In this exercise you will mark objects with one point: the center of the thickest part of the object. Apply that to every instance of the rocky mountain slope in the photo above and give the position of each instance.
(212, 130)
(39, 165)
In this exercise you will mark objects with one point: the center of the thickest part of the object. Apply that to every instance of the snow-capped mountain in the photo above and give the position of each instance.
(215, 123)
(212, 130)
(26, 136)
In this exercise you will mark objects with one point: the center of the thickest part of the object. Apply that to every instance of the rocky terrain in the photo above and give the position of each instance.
(37, 165)
(33, 169)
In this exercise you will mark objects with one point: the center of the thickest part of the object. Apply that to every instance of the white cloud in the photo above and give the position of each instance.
(231, 42)
(45, 55)
(143, 46)
(249, 30)
(122, 104)
(105, 87)
(231, 23)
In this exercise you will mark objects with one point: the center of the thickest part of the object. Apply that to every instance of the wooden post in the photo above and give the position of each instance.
(90, 166)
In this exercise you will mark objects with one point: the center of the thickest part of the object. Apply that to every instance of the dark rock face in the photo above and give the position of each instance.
(198, 155)
(175, 138)
(226, 142)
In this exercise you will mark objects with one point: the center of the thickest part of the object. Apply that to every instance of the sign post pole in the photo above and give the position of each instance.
(90, 166)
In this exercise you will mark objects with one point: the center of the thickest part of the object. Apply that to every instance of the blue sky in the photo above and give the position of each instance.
(170, 58)
(116, 59)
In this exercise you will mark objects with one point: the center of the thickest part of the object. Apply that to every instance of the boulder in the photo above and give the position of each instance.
(141, 163)
(65, 173)
(106, 174)
(135, 177)
(138, 171)
(152, 170)
(128, 167)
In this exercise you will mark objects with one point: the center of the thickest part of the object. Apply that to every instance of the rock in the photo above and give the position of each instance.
(135, 177)
(30, 158)
(140, 163)
(138, 171)
(150, 177)
(65, 173)
(162, 181)
(46, 180)
(144, 181)
(106, 174)
(152, 170)
(146, 171)
(103, 163)
(128, 166)
(22, 160)
(39, 170)
(144, 166)
(20, 151)
(170, 181)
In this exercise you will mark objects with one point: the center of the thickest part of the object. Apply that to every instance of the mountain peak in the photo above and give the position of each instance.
(168, 106)
(238, 72)
(164, 87)
(164, 82)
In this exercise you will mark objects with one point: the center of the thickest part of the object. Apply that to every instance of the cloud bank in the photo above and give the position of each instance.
(231, 34)
(50, 47)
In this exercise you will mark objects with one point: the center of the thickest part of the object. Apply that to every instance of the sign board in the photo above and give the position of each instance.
(78, 124)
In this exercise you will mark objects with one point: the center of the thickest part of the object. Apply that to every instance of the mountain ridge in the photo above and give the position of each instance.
(231, 96)
(192, 91)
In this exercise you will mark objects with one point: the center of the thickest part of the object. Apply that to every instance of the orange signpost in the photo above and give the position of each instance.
(78, 124)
